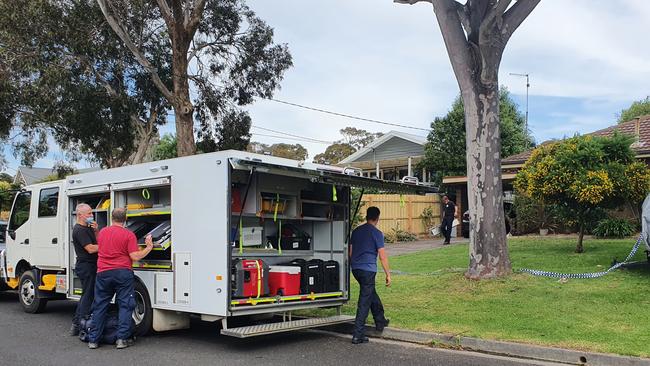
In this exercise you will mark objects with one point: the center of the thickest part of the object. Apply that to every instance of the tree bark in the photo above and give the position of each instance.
(475, 35)
(181, 37)
(488, 250)
(579, 247)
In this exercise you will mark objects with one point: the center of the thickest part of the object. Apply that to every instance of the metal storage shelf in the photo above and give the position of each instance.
(163, 247)
(284, 299)
(154, 211)
(153, 265)
(325, 203)
(253, 252)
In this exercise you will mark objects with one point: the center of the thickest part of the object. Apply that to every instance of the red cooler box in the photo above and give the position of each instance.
(284, 280)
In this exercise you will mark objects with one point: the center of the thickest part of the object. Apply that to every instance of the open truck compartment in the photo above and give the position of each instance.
(297, 228)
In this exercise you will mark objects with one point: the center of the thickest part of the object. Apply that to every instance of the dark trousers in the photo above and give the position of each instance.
(118, 282)
(446, 228)
(368, 301)
(86, 271)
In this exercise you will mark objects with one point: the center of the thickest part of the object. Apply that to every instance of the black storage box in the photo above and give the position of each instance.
(311, 275)
(331, 276)
(292, 238)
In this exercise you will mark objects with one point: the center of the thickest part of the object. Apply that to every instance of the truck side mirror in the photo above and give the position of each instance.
(12, 234)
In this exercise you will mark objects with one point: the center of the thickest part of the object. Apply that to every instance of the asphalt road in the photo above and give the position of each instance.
(40, 339)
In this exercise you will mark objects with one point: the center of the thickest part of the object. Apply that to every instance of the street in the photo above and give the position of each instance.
(41, 339)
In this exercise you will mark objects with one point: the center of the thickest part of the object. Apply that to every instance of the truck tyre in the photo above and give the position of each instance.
(28, 294)
(143, 312)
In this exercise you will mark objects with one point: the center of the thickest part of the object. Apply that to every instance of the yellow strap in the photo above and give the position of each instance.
(241, 237)
(401, 200)
(334, 198)
(277, 203)
(280, 237)
(259, 278)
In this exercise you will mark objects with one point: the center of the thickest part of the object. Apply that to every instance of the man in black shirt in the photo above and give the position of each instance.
(85, 246)
(450, 211)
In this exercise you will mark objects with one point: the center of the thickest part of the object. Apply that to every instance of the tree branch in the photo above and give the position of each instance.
(455, 41)
(118, 28)
(192, 22)
(166, 14)
(514, 16)
(463, 14)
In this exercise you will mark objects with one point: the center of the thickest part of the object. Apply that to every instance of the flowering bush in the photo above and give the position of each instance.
(583, 174)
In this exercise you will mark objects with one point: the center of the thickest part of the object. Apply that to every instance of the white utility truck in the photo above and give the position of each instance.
(220, 221)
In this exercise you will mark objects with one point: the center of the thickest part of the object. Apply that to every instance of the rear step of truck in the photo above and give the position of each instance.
(285, 326)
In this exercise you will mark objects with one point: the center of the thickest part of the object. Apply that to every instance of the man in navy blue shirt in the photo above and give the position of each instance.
(366, 242)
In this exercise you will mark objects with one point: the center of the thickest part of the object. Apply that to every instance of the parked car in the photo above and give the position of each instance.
(3, 233)
(465, 227)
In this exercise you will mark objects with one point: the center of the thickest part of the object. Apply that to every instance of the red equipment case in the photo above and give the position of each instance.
(250, 278)
(284, 280)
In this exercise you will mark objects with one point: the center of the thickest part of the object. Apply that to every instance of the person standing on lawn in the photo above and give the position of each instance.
(366, 243)
(449, 211)
(118, 249)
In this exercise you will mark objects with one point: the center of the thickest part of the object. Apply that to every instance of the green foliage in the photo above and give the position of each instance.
(289, 151)
(355, 193)
(637, 109)
(445, 148)
(7, 193)
(582, 175)
(335, 153)
(4, 177)
(70, 77)
(531, 215)
(613, 228)
(398, 235)
(427, 216)
(353, 140)
(166, 148)
(358, 138)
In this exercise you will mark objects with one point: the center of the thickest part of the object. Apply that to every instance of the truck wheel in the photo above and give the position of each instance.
(143, 313)
(29, 294)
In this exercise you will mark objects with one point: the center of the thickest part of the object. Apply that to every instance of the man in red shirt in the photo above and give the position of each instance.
(118, 248)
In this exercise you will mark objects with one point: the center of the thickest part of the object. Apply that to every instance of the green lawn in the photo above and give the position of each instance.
(603, 315)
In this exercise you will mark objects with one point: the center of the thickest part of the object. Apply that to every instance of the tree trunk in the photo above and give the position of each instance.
(579, 247)
(183, 108)
(488, 248)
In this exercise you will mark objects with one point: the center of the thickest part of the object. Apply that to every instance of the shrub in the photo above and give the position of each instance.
(613, 228)
(427, 216)
(395, 235)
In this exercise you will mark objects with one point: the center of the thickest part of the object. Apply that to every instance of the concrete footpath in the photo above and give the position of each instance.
(509, 349)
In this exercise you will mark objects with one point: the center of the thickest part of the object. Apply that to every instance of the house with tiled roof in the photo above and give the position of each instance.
(638, 127)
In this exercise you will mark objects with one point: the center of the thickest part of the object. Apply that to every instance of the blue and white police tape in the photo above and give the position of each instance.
(536, 272)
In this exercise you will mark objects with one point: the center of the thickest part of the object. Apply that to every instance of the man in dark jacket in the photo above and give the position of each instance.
(449, 211)
(85, 246)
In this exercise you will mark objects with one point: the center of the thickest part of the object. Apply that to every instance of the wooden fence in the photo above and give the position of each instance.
(403, 212)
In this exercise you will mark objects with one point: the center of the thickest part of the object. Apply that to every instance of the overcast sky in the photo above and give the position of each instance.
(587, 60)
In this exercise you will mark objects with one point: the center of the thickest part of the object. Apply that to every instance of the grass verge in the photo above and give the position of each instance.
(601, 315)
